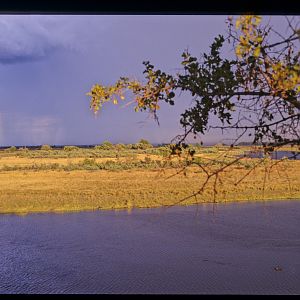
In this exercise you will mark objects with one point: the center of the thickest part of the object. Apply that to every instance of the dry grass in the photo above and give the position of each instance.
(41, 191)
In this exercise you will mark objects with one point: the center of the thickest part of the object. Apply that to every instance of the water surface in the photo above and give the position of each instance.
(275, 154)
(238, 248)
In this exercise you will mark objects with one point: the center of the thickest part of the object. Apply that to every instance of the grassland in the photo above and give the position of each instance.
(90, 179)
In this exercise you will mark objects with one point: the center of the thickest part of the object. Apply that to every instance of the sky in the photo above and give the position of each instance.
(48, 63)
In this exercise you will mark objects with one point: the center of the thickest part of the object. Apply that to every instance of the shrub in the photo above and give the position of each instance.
(120, 146)
(106, 145)
(23, 149)
(148, 160)
(140, 146)
(89, 161)
(88, 164)
(70, 148)
(143, 141)
(46, 147)
(134, 146)
(11, 149)
(164, 151)
(146, 144)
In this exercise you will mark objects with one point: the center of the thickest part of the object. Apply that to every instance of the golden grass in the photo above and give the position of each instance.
(42, 191)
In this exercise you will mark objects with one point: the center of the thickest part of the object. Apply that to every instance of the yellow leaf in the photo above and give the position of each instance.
(257, 20)
(259, 39)
(256, 52)
(238, 51)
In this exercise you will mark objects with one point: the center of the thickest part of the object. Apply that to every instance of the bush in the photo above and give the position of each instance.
(89, 164)
(23, 149)
(106, 145)
(70, 148)
(148, 160)
(120, 146)
(46, 147)
(89, 161)
(146, 144)
(11, 149)
(140, 146)
(134, 146)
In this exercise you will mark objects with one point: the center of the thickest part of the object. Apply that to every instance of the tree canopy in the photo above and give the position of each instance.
(255, 93)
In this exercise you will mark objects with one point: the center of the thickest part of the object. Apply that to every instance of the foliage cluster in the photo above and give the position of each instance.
(254, 94)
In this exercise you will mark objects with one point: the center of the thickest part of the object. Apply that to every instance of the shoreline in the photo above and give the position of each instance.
(62, 211)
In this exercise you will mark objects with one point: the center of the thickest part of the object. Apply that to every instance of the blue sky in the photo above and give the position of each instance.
(48, 63)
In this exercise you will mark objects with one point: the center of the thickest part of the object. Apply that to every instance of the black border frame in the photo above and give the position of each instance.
(150, 7)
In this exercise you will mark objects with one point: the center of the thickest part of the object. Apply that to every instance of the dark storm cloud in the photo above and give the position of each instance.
(30, 38)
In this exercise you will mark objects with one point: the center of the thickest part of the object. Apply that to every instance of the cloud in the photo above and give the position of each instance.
(33, 37)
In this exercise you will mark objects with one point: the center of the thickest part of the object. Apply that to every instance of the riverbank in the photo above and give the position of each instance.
(58, 191)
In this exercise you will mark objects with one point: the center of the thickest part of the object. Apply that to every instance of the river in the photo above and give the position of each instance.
(233, 248)
(292, 155)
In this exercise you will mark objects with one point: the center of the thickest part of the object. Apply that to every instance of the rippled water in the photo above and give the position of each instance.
(275, 155)
(249, 248)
